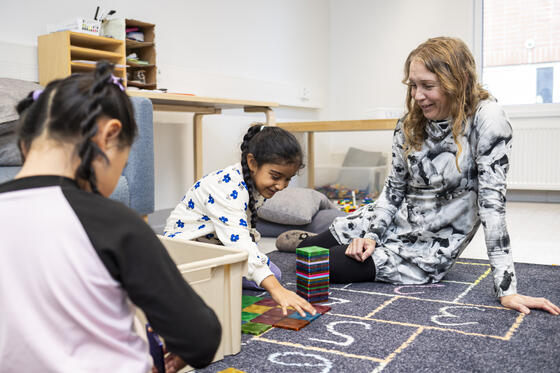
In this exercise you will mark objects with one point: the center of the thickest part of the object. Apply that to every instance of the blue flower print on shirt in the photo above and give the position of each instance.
(242, 222)
(205, 218)
(234, 237)
(234, 194)
(219, 172)
(242, 185)
(197, 185)
(180, 224)
(226, 178)
(245, 205)
(191, 204)
(238, 172)
(223, 219)
(210, 199)
(209, 235)
(202, 226)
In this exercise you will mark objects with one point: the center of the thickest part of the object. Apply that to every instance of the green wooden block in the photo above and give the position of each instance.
(247, 300)
(311, 251)
(248, 316)
(254, 328)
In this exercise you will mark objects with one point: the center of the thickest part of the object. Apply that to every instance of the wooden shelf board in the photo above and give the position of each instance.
(135, 22)
(179, 99)
(340, 125)
(75, 52)
(130, 44)
(132, 83)
(93, 40)
(90, 66)
(133, 64)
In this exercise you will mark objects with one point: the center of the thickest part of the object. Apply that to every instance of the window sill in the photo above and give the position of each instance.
(533, 110)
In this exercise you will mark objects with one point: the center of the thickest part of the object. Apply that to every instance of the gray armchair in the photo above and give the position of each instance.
(136, 185)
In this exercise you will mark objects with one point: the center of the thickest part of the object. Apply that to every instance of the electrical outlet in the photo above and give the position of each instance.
(306, 94)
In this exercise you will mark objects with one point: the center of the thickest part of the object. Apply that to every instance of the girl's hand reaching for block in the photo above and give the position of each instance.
(286, 298)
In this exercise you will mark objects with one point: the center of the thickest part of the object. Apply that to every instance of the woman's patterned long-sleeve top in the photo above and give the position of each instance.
(215, 209)
(429, 210)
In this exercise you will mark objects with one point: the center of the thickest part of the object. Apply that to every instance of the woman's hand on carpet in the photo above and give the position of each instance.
(524, 303)
(360, 249)
(286, 298)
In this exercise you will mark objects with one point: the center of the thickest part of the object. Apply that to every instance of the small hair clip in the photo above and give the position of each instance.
(36, 94)
(117, 81)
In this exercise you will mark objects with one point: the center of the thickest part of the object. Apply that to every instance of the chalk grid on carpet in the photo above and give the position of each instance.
(456, 325)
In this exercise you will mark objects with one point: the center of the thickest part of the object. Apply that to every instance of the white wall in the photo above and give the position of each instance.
(247, 49)
(369, 42)
(349, 54)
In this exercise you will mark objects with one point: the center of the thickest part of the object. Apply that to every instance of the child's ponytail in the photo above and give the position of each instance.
(87, 149)
(253, 130)
(267, 144)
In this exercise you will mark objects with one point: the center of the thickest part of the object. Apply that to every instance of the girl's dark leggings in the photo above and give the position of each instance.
(343, 269)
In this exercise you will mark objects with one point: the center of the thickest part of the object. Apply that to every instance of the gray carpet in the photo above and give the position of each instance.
(454, 326)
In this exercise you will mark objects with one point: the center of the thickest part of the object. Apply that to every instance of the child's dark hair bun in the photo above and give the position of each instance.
(68, 110)
(25, 103)
(251, 132)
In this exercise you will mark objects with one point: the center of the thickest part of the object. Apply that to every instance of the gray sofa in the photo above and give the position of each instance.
(136, 184)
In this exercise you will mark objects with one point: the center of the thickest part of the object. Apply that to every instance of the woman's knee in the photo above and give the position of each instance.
(343, 269)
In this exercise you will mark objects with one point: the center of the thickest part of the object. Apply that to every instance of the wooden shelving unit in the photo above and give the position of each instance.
(146, 51)
(63, 53)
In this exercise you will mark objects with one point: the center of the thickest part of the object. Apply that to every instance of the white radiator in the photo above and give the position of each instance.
(535, 158)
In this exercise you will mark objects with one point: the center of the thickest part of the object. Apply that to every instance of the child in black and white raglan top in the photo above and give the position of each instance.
(75, 262)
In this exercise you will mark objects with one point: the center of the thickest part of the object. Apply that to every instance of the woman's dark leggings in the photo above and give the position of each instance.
(343, 269)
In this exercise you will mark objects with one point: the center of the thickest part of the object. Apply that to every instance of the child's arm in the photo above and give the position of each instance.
(226, 206)
(140, 263)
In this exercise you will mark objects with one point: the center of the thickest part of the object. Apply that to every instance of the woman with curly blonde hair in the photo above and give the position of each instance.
(450, 156)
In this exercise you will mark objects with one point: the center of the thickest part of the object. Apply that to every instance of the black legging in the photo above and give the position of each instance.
(343, 269)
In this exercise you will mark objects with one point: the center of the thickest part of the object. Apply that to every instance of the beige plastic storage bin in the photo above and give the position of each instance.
(215, 273)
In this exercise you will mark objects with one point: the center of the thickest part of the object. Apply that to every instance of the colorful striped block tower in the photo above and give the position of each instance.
(312, 270)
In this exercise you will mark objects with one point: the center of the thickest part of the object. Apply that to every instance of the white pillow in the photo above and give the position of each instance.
(294, 206)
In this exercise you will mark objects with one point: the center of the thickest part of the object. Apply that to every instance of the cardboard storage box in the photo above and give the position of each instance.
(215, 273)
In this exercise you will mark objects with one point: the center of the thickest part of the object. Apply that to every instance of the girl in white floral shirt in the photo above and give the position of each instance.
(221, 207)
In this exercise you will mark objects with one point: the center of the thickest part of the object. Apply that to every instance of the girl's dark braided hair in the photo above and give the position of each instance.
(267, 144)
(68, 110)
